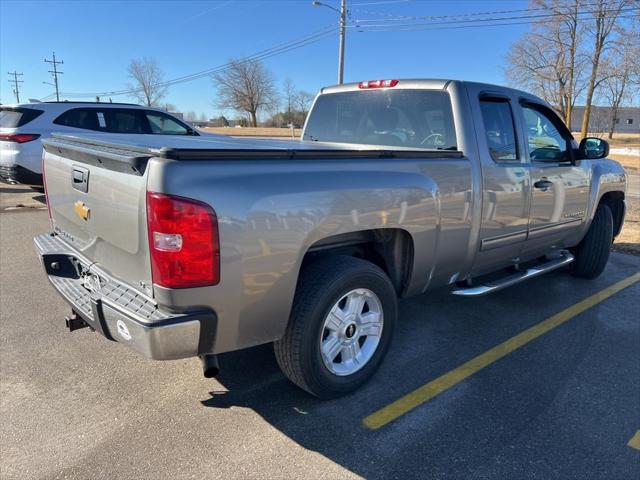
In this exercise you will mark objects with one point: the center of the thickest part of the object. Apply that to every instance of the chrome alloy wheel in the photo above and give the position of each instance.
(351, 332)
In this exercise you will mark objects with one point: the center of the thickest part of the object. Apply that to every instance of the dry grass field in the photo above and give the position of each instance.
(253, 132)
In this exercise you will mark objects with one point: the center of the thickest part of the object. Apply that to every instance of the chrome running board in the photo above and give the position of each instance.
(495, 285)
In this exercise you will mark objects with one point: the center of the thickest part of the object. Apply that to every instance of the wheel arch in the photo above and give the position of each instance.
(391, 249)
(615, 201)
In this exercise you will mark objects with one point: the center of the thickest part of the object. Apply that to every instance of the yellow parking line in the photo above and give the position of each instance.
(635, 441)
(435, 387)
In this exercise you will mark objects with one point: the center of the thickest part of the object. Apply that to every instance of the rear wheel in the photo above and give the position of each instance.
(340, 328)
(592, 253)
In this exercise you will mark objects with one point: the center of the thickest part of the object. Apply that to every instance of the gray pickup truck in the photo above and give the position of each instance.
(181, 247)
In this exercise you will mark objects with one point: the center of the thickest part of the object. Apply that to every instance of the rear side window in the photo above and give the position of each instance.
(499, 129)
(17, 117)
(126, 121)
(86, 118)
(401, 118)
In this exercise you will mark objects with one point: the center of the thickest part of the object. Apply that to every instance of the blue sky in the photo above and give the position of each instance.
(98, 39)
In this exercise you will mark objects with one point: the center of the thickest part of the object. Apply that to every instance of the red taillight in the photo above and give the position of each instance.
(19, 137)
(183, 240)
(378, 84)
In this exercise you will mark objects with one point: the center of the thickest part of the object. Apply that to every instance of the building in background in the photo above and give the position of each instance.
(628, 120)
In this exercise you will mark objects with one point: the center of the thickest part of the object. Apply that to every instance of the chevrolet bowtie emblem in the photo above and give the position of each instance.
(81, 209)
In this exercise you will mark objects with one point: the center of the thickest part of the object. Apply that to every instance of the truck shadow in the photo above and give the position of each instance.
(453, 434)
(253, 380)
(458, 330)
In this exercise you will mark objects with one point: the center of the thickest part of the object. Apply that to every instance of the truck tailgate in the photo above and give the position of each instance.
(96, 197)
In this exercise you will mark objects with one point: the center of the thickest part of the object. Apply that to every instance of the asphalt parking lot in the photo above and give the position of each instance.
(564, 404)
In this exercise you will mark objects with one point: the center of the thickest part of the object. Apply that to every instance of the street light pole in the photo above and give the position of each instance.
(343, 18)
(343, 29)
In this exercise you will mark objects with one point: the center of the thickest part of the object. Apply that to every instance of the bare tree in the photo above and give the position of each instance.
(548, 60)
(148, 78)
(289, 94)
(303, 101)
(246, 86)
(605, 18)
(191, 116)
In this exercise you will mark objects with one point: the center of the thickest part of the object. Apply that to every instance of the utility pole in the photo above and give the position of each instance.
(55, 74)
(343, 21)
(16, 84)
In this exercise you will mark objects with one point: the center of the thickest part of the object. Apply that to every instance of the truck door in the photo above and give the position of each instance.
(505, 177)
(560, 188)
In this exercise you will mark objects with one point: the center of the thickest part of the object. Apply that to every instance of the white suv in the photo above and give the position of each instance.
(22, 127)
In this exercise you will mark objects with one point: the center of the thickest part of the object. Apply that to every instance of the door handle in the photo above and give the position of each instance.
(543, 184)
(80, 179)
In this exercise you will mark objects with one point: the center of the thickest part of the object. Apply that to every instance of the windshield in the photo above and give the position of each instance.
(17, 117)
(399, 118)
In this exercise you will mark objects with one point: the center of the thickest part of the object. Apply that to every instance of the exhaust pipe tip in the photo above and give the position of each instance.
(210, 365)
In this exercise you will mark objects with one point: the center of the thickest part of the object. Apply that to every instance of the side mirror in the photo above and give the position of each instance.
(593, 148)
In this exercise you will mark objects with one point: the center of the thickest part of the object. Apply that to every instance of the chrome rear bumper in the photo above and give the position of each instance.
(121, 313)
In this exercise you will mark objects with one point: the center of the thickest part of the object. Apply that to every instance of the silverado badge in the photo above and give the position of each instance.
(81, 210)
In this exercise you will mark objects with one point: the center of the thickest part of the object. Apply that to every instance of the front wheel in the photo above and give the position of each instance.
(592, 253)
(341, 325)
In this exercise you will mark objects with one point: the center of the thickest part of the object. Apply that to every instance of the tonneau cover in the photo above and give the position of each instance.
(135, 149)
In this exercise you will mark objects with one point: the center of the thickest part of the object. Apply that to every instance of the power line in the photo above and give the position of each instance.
(382, 2)
(16, 84)
(394, 17)
(454, 27)
(514, 20)
(402, 24)
(266, 53)
(272, 51)
(54, 73)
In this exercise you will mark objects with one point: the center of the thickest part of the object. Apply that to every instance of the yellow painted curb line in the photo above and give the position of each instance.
(428, 391)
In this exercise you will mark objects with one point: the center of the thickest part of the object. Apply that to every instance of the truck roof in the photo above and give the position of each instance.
(431, 84)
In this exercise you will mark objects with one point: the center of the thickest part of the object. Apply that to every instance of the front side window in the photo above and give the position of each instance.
(546, 136)
(399, 118)
(164, 124)
(499, 130)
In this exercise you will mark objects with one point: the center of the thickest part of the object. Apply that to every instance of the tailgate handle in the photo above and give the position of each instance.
(80, 179)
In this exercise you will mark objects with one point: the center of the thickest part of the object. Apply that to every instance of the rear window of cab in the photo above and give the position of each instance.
(421, 119)
(14, 117)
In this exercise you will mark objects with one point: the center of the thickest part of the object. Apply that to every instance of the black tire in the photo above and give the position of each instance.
(592, 253)
(322, 284)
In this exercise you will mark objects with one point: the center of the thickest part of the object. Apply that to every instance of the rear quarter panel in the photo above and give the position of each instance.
(271, 212)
